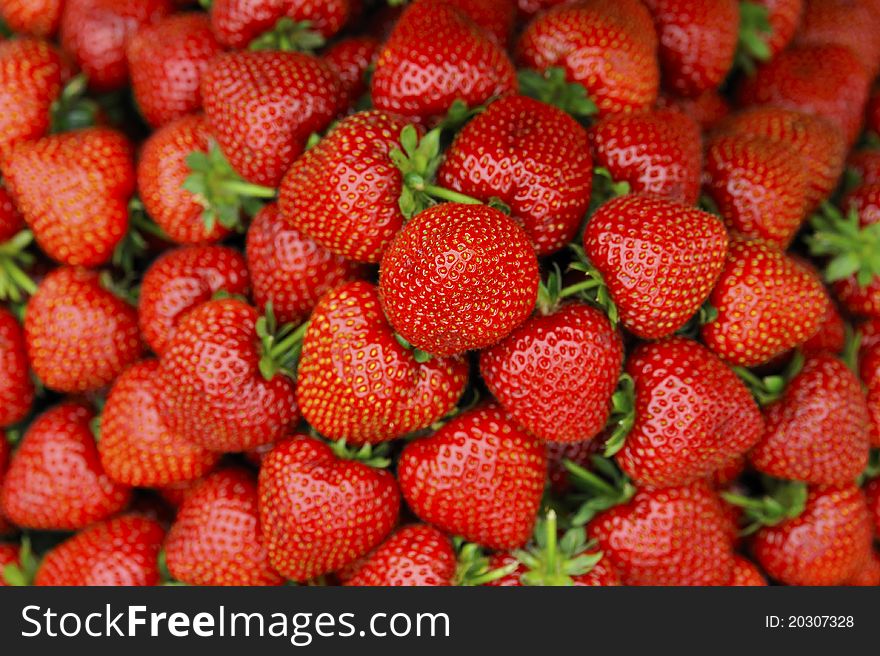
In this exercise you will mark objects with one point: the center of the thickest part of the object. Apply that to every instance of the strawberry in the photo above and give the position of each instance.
(5, 526)
(79, 336)
(670, 536)
(91, 176)
(556, 373)
(818, 431)
(831, 336)
(708, 109)
(869, 574)
(135, 445)
(698, 40)
(785, 303)
(559, 452)
(215, 539)
(865, 165)
(419, 73)
(55, 480)
(289, 269)
(846, 23)
(533, 157)
(96, 32)
(693, 416)
(872, 492)
(783, 18)
(479, 476)
(458, 277)
(350, 59)
(528, 8)
(746, 574)
(496, 17)
(262, 107)
(35, 17)
(356, 381)
(166, 61)
(238, 22)
(759, 186)
(9, 556)
(11, 221)
(119, 551)
(16, 388)
(607, 46)
(321, 510)
(865, 200)
(656, 152)
(828, 81)
(658, 258)
(181, 279)
(222, 388)
(869, 370)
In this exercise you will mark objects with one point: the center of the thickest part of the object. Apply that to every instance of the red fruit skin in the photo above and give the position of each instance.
(657, 152)
(479, 476)
(123, 551)
(350, 59)
(602, 574)
(528, 8)
(96, 32)
(784, 17)
(289, 269)
(136, 447)
(673, 536)
(11, 221)
(166, 61)
(211, 388)
(693, 416)
(767, 304)
(818, 431)
(865, 200)
(708, 109)
(344, 192)
(555, 374)
(844, 23)
(32, 74)
(162, 170)
(698, 39)
(746, 574)
(869, 370)
(216, 538)
(866, 165)
(182, 279)
(5, 448)
(831, 336)
(872, 113)
(39, 18)
(8, 556)
(869, 575)
(660, 260)
(532, 156)
(79, 336)
(420, 73)
(608, 46)
(238, 22)
(458, 277)
(320, 513)
(828, 81)
(872, 492)
(415, 555)
(826, 545)
(55, 480)
(16, 387)
(355, 381)
(263, 106)
(496, 17)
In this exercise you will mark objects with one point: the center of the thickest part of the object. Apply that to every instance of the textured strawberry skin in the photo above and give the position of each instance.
(746, 574)
(784, 17)
(16, 387)
(872, 492)
(350, 59)
(870, 374)
(35, 17)
(708, 109)
(844, 23)
(238, 22)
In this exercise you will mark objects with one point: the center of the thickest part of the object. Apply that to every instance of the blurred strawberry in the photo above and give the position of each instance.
(34, 17)
(238, 22)
(16, 387)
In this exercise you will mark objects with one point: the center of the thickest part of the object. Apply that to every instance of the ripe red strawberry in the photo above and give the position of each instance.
(831, 336)
(16, 388)
(32, 75)
(532, 156)
(785, 302)
(321, 511)
(658, 258)
(434, 56)
(350, 59)
(608, 46)
(657, 152)
(96, 32)
(11, 221)
(872, 492)
(818, 431)
(784, 17)
(55, 480)
(73, 190)
(356, 381)
(181, 279)
(414, 555)
(238, 22)
(289, 269)
(8, 556)
(698, 40)
(669, 536)
(865, 164)
(869, 370)
(5, 526)
(828, 81)
(707, 109)
(496, 17)
(827, 544)
(555, 374)
(458, 277)
(746, 574)
(216, 539)
(135, 445)
(35, 17)
(123, 551)
(869, 575)
(845, 23)
(693, 416)
(222, 388)
(79, 336)
(166, 61)
(528, 8)
(479, 476)
(865, 200)
(600, 575)
(262, 107)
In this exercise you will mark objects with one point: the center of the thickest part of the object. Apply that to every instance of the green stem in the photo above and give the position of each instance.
(584, 286)
(290, 341)
(447, 194)
(590, 478)
(248, 189)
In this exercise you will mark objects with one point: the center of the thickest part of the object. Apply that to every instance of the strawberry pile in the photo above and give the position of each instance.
(440, 292)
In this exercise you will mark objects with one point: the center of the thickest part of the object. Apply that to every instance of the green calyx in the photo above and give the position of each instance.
(473, 566)
(551, 561)
(419, 355)
(768, 389)
(623, 415)
(15, 284)
(592, 289)
(459, 113)
(221, 190)
(754, 34)
(603, 486)
(783, 500)
(133, 245)
(73, 109)
(281, 345)
(22, 574)
(289, 35)
(852, 249)
(552, 87)
(124, 288)
(705, 315)
(374, 455)
(605, 187)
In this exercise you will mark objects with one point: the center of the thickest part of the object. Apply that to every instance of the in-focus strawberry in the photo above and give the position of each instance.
(351, 59)
(16, 387)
